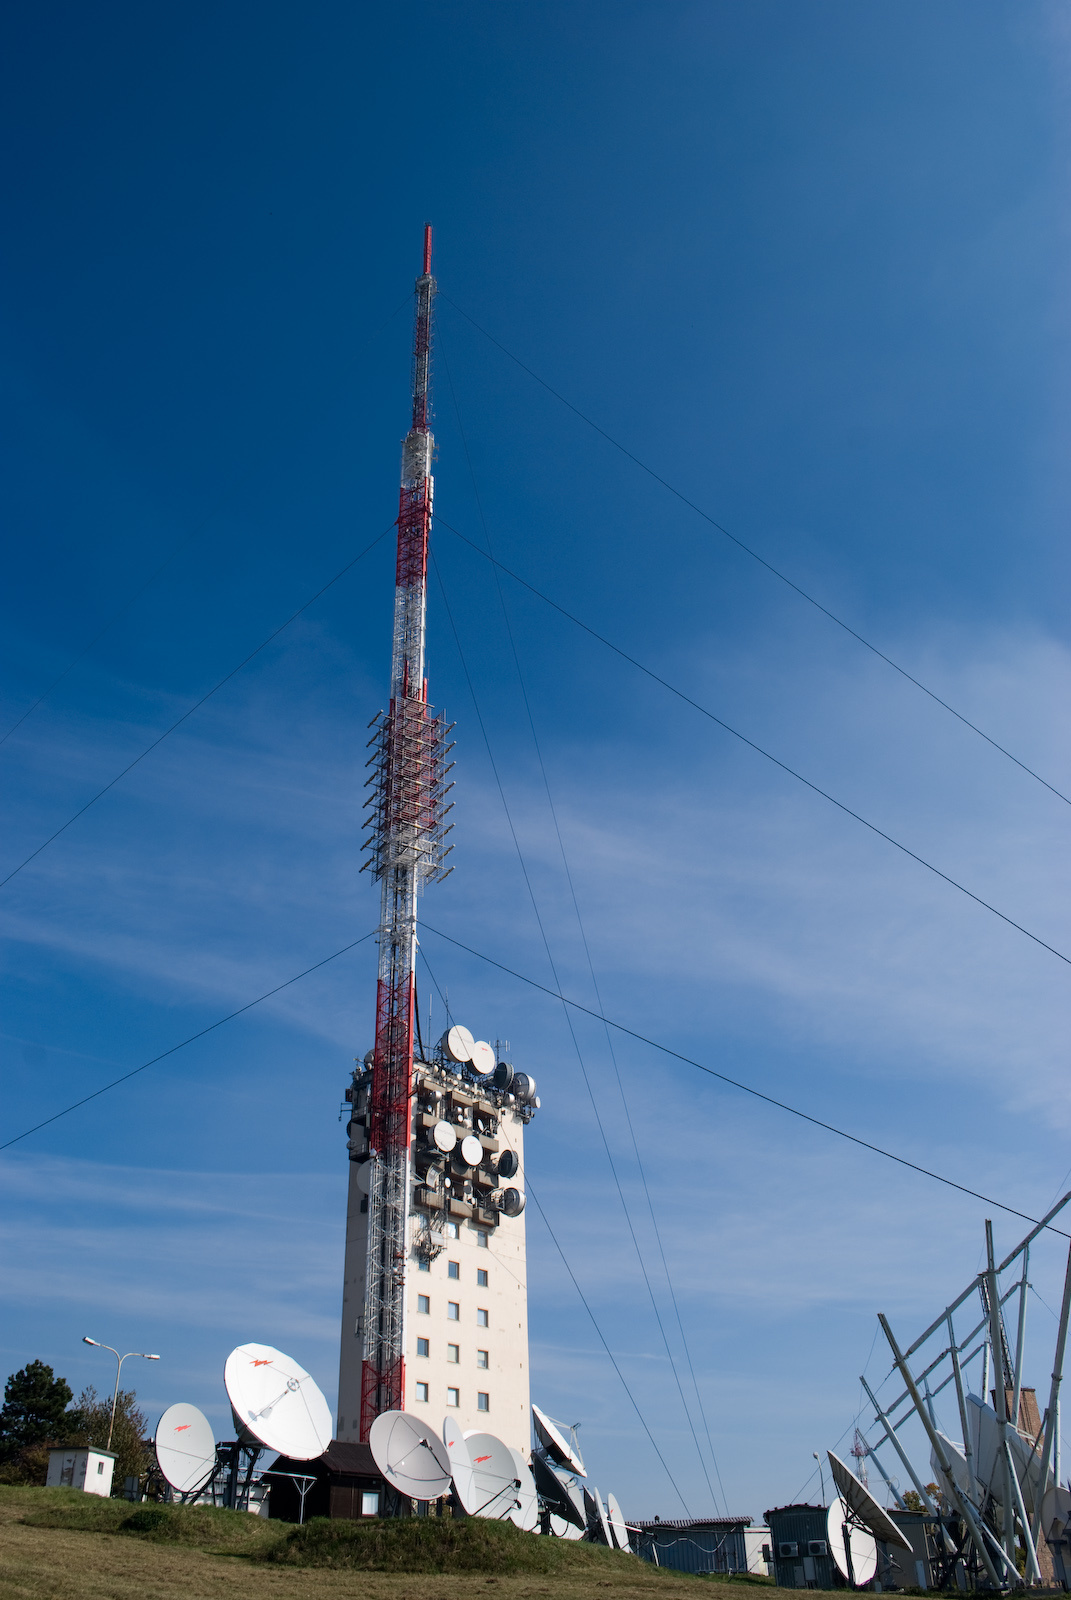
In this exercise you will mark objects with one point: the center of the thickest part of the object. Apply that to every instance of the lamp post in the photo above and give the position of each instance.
(821, 1474)
(120, 1359)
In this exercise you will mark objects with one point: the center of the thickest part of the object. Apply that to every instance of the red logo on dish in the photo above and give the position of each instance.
(479, 1460)
(182, 1426)
(262, 1362)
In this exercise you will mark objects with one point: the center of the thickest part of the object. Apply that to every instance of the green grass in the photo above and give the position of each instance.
(441, 1544)
(203, 1526)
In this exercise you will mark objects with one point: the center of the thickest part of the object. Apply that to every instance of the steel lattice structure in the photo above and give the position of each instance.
(406, 850)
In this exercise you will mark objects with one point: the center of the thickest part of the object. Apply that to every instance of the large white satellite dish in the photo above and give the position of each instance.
(562, 1528)
(597, 1516)
(457, 1043)
(860, 1500)
(617, 1523)
(443, 1137)
(470, 1150)
(494, 1474)
(1055, 1511)
(563, 1499)
(457, 1452)
(482, 1058)
(409, 1455)
(985, 1439)
(526, 1512)
(185, 1447)
(863, 1546)
(554, 1442)
(276, 1402)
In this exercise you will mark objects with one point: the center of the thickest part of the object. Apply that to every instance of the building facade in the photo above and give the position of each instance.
(465, 1303)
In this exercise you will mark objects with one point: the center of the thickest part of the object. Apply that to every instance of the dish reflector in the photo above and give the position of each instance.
(409, 1455)
(617, 1523)
(526, 1512)
(482, 1058)
(277, 1402)
(860, 1500)
(1055, 1511)
(443, 1137)
(494, 1474)
(512, 1202)
(563, 1529)
(471, 1150)
(457, 1452)
(185, 1447)
(864, 1549)
(564, 1499)
(554, 1442)
(458, 1043)
(597, 1516)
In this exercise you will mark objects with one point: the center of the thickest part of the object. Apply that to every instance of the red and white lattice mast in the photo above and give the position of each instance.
(407, 850)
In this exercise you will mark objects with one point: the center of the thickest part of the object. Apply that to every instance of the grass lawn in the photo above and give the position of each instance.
(60, 1544)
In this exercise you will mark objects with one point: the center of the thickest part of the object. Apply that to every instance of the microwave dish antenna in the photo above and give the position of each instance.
(457, 1043)
(494, 1474)
(617, 1523)
(276, 1403)
(563, 1499)
(552, 1437)
(185, 1448)
(525, 1513)
(598, 1526)
(411, 1458)
(457, 1454)
(853, 1547)
(864, 1509)
(482, 1059)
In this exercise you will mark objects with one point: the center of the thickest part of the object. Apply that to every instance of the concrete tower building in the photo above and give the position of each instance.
(435, 1300)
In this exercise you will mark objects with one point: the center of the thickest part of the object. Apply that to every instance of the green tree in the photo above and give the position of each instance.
(34, 1415)
(128, 1435)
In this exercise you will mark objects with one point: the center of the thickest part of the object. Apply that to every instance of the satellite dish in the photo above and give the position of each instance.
(1055, 1511)
(525, 1513)
(562, 1528)
(482, 1058)
(503, 1075)
(276, 1402)
(185, 1447)
(858, 1498)
(409, 1455)
(363, 1177)
(460, 1466)
(617, 1523)
(471, 1150)
(597, 1522)
(553, 1441)
(494, 1474)
(512, 1202)
(563, 1499)
(957, 1461)
(863, 1547)
(443, 1137)
(457, 1042)
(509, 1164)
(524, 1086)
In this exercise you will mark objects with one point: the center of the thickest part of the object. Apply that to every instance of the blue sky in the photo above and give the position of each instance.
(808, 262)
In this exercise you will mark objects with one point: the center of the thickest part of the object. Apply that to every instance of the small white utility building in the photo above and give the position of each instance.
(74, 1467)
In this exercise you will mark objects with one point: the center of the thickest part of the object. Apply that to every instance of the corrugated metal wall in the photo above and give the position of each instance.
(800, 1525)
(694, 1549)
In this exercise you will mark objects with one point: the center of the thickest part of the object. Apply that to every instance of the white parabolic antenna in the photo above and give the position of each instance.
(526, 1512)
(409, 1455)
(457, 1452)
(864, 1549)
(1055, 1511)
(617, 1523)
(185, 1447)
(556, 1444)
(458, 1042)
(565, 1500)
(482, 1058)
(859, 1499)
(597, 1516)
(471, 1150)
(562, 1528)
(277, 1402)
(494, 1475)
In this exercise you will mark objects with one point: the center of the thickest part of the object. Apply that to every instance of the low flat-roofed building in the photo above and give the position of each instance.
(345, 1483)
(694, 1544)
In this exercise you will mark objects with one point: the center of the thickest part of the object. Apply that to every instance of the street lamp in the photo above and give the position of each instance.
(821, 1474)
(120, 1359)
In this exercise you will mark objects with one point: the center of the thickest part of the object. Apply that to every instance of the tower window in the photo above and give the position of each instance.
(481, 1317)
(423, 1304)
(481, 1277)
(422, 1391)
(453, 1311)
(483, 1402)
(481, 1358)
(453, 1230)
(453, 1352)
(481, 1238)
(423, 1264)
(453, 1397)
(453, 1269)
(423, 1347)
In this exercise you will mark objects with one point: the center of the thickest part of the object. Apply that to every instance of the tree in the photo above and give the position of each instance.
(34, 1415)
(128, 1435)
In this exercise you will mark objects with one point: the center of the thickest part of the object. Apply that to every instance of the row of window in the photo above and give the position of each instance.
(453, 1352)
(453, 1270)
(453, 1231)
(453, 1397)
(453, 1310)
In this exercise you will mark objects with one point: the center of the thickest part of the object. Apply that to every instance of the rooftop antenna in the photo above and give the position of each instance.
(406, 845)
